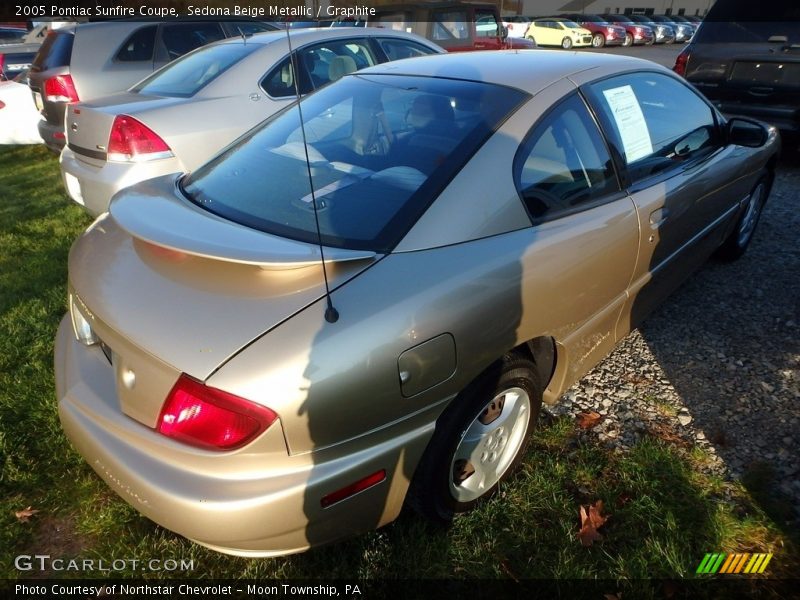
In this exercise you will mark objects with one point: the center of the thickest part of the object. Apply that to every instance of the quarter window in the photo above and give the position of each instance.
(657, 122)
(180, 39)
(564, 165)
(139, 46)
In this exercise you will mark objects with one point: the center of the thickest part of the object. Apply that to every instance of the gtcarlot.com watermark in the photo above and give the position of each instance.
(45, 562)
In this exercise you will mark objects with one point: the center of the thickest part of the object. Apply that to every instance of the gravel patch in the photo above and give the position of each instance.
(717, 366)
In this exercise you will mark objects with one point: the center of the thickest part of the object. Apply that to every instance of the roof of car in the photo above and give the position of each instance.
(528, 70)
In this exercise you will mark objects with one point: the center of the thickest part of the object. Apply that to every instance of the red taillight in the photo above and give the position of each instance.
(60, 89)
(353, 488)
(2, 104)
(130, 140)
(210, 418)
(681, 61)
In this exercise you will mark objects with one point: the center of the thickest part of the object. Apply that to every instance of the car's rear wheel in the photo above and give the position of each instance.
(739, 239)
(598, 40)
(566, 43)
(479, 440)
(628, 40)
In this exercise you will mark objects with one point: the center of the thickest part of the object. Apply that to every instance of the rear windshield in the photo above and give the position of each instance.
(380, 148)
(56, 51)
(190, 73)
(747, 22)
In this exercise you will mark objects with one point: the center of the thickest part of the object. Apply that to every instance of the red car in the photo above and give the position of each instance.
(635, 33)
(603, 32)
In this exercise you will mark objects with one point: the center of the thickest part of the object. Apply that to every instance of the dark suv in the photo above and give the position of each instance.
(88, 60)
(746, 60)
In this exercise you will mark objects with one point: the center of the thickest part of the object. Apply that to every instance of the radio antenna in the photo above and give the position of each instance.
(331, 314)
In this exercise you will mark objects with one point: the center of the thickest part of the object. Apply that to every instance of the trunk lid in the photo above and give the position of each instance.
(88, 124)
(177, 289)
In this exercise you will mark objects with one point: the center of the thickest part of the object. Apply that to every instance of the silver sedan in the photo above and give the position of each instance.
(179, 117)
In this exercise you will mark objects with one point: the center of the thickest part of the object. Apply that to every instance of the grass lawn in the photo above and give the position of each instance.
(665, 514)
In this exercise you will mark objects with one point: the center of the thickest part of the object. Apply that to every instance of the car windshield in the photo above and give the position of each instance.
(190, 73)
(570, 24)
(380, 148)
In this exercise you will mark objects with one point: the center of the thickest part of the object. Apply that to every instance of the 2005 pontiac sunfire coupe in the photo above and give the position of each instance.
(492, 225)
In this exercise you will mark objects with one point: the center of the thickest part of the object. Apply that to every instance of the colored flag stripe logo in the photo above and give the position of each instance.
(734, 563)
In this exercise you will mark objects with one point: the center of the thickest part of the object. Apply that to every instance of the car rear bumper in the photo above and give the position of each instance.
(92, 185)
(53, 135)
(270, 506)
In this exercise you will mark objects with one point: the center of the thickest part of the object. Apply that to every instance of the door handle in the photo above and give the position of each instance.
(658, 216)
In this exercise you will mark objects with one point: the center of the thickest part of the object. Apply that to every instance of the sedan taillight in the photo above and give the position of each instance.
(210, 418)
(132, 141)
(60, 89)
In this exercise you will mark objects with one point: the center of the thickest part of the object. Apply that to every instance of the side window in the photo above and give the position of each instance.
(450, 25)
(139, 46)
(563, 165)
(318, 65)
(485, 24)
(657, 121)
(397, 49)
(183, 38)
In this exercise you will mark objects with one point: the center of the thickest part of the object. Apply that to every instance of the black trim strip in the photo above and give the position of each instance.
(86, 152)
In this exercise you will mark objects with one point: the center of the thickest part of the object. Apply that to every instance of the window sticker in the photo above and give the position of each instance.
(630, 122)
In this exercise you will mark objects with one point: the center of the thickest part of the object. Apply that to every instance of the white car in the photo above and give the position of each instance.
(18, 114)
(178, 118)
(516, 26)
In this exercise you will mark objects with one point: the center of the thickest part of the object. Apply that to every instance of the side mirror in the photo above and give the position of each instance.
(744, 132)
(502, 31)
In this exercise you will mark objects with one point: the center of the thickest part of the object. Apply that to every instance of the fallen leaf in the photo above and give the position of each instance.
(596, 516)
(587, 420)
(591, 520)
(617, 596)
(23, 516)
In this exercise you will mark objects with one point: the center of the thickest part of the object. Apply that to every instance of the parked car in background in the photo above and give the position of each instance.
(17, 57)
(88, 60)
(179, 117)
(531, 209)
(664, 34)
(516, 26)
(747, 61)
(603, 32)
(12, 35)
(685, 20)
(683, 31)
(455, 26)
(19, 118)
(554, 31)
(636, 33)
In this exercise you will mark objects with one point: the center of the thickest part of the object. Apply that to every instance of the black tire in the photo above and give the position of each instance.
(566, 43)
(598, 40)
(628, 40)
(740, 237)
(497, 394)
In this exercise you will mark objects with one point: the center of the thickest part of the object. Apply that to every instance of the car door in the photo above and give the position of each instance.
(584, 240)
(486, 30)
(543, 33)
(685, 182)
(318, 65)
